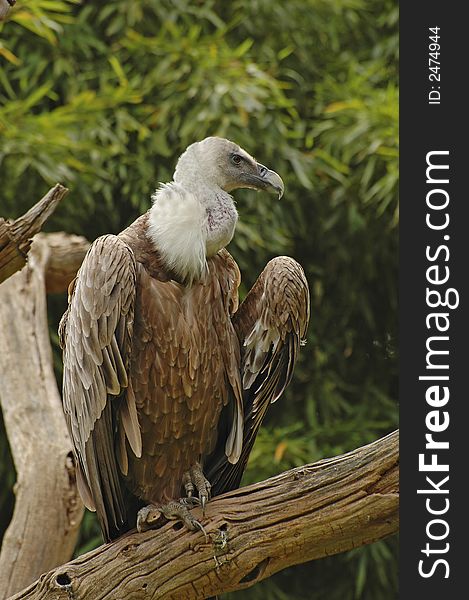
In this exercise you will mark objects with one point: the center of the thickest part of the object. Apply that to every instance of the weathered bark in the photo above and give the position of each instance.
(5, 6)
(66, 253)
(48, 511)
(303, 514)
(15, 237)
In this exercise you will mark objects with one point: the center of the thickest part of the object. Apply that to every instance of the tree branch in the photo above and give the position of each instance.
(303, 514)
(66, 253)
(47, 505)
(15, 237)
(48, 511)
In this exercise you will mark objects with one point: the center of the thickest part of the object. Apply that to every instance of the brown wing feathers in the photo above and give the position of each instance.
(271, 324)
(95, 334)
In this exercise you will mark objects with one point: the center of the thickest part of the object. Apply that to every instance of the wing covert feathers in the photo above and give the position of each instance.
(95, 334)
(271, 325)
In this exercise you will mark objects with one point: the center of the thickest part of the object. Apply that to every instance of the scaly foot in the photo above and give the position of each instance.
(195, 479)
(176, 510)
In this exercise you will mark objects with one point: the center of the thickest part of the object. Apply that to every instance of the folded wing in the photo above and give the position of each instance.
(271, 325)
(98, 401)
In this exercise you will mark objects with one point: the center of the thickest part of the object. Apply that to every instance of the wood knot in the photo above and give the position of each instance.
(129, 548)
(299, 473)
(64, 582)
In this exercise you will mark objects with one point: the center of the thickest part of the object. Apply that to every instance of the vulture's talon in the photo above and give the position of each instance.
(176, 510)
(195, 479)
(147, 517)
(201, 528)
(203, 502)
(190, 501)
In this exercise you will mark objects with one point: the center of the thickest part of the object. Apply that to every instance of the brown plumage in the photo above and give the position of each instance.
(161, 368)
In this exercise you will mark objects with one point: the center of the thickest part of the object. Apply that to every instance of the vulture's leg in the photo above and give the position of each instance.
(176, 510)
(195, 479)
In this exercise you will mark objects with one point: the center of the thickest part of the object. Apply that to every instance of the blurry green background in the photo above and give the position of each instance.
(104, 96)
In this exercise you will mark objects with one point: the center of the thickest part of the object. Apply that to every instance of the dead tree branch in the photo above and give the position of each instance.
(48, 511)
(303, 514)
(15, 237)
(66, 253)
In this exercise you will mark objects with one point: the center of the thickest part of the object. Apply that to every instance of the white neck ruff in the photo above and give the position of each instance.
(188, 226)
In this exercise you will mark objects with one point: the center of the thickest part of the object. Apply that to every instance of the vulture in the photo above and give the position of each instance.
(166, 377)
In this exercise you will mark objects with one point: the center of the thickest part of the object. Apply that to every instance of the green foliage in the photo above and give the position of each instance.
(104, 96)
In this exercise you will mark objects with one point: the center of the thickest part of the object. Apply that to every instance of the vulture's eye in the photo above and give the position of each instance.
(236, 159)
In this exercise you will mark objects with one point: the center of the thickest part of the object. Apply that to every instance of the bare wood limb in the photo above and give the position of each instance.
(303, 514)
(66, 253)
(47, 515)
(15, 237)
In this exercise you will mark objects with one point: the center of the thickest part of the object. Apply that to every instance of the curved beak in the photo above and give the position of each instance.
(264, 179)
(270, 181)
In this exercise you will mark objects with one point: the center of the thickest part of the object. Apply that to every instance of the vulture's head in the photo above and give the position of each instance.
(220, 163)
(194, 216)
